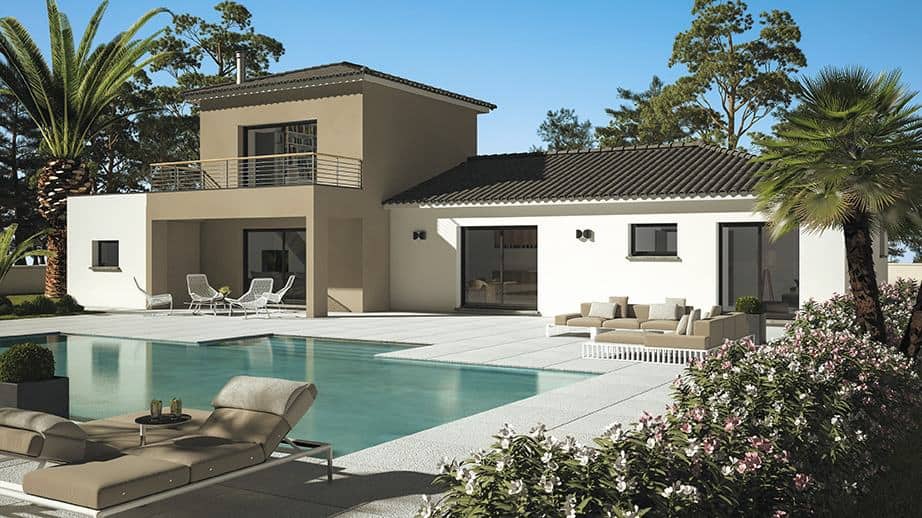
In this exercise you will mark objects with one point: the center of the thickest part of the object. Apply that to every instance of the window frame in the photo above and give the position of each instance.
(633, 238)
(97, 254)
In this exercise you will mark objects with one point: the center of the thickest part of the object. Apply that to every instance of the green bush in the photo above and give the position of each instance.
(40, 305)
(68, 305)
(749, 304)
(26, 362)
(6, 306)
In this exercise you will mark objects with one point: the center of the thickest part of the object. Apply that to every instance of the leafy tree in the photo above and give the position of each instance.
(562, 131)
(68, 102)
(736, 77)
(19, 159)
(644, 121)
(201, 53)
(848, 158)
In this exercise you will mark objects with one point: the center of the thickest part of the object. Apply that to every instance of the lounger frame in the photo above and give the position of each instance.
(293, 449)
(557, 329)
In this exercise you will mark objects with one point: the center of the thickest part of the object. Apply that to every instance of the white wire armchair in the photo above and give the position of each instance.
(202, 294)
(255, 298)
(155, 300)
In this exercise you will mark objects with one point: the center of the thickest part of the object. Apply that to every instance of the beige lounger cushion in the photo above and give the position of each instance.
(98, 485)
(61, 439)
(108, 437)
(205, 456)
(622, 323)
(21, 442)
(266, 430)
(289, 399)
(585, 322)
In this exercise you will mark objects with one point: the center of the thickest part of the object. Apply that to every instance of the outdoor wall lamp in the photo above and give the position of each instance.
(419, 235)
(585, 235)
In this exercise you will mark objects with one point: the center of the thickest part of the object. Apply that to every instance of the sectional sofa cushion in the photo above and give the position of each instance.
(585, 322)
(603, 310)
(659, 325)
(680, 305)
(692, 318)
(621, 337)
(683, 325)
(622, 323)
(98, 485)
(639, 311)
(622, 306)
(205, 456)
(715, 310)
(677, 341)
(561, 320)
(668, 311)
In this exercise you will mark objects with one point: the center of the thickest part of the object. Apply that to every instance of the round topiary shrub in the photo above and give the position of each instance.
(26, 362)
(749, 305)
(42, 305)
(6, 306)
(67, 305)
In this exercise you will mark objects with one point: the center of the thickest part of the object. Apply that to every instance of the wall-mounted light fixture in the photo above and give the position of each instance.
(419, 235)
(585, 235)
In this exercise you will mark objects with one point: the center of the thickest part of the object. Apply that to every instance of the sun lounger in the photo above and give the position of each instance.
(105, 472)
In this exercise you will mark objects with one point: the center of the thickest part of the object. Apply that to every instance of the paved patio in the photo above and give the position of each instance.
(387, 479)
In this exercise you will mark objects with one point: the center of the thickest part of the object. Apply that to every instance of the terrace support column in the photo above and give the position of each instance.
(317, 241)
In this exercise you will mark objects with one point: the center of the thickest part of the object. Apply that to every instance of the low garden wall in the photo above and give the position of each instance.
(23, 280)
(912, 271)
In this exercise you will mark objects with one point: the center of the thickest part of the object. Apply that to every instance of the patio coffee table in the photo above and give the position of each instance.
(162, 421)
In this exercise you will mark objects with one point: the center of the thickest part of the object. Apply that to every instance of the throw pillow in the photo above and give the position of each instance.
(663, 312)
(603, 310)
(621, 312)
(692, 318)
(683, 325)
(680, 305)
(715, 310)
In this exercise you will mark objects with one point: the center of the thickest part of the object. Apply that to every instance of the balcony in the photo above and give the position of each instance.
(260, 171)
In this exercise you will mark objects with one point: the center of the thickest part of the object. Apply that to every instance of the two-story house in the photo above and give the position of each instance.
(368, 188)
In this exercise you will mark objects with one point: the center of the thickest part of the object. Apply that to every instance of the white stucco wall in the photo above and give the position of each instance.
(426, 275)
(121, 217)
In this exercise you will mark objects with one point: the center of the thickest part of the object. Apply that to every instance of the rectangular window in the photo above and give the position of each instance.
(657, 239)
(287, 149)
(105, 254)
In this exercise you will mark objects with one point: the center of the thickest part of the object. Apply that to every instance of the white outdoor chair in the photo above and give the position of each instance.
(155, 300)
(255, 298)
(276, 298)
(202, 293)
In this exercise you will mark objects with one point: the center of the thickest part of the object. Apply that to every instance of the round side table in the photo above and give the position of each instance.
(162, 421)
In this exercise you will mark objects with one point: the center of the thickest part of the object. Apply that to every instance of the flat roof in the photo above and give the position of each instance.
(685, 170)
(321, 75)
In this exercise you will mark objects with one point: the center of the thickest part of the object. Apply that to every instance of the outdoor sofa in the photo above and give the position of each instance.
(635, 317)
(98, 468)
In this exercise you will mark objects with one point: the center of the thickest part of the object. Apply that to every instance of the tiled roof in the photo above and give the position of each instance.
(637, 172)
(319, 75)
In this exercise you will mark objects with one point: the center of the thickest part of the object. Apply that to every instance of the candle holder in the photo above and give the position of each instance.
(156, 408)
(176, 406)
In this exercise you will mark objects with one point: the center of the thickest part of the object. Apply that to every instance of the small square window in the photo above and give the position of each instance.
(105, 254)
(654, 239)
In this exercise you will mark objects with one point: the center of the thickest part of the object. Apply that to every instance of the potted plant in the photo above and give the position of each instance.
(755, 316)
(27, 381)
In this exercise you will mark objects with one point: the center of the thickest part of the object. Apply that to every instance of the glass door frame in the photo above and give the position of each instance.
(244, 179)
(463, 283)
(760, 225)
(246, 254)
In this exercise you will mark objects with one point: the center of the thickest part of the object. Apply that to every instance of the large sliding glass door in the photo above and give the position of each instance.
(277, 254)
(752, 264)
(500, 267)
(270, 141)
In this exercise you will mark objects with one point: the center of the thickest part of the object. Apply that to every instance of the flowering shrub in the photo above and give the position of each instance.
(775, 430)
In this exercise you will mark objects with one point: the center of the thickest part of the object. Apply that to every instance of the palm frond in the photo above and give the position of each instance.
(11, 253)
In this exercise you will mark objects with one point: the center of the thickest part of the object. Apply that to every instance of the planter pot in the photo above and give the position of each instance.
(51, 396)
(756, 327)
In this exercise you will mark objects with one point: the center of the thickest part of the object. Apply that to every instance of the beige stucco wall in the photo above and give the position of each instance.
(23, 280)
(912, 271)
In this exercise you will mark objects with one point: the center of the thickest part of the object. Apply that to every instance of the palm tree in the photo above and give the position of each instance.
(10, 253)
(68, 104)
(847, 158)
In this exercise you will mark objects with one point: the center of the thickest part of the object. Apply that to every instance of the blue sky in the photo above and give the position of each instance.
(527, 57)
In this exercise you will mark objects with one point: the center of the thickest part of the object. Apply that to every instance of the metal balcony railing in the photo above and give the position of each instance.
(258, 171)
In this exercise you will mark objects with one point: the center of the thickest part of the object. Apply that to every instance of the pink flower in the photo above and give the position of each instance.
(686, 428)
(801, 481)
(731, 423)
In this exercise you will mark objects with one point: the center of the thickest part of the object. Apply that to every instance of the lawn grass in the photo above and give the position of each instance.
(19, 299)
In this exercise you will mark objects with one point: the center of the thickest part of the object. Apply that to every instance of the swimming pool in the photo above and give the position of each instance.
(362, 400)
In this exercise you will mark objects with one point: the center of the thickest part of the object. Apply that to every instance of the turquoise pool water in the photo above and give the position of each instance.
(362, 400)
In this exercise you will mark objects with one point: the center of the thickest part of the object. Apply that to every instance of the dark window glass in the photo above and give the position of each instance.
(105, 253)
(277, 254)
(500, 266)
(653, 239)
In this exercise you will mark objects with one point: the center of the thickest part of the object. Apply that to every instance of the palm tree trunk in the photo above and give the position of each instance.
(56, 181)
(912, 336)
(862, 278)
